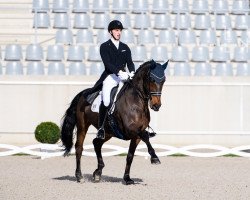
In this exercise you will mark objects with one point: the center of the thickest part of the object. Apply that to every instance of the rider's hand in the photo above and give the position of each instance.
(123, 75)
(131, 74)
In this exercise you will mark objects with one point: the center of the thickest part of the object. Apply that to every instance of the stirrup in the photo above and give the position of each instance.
(101, 134)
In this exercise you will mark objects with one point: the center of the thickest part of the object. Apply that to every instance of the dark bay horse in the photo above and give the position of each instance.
(131, 113)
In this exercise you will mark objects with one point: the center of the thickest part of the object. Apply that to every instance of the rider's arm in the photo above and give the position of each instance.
(106, 60)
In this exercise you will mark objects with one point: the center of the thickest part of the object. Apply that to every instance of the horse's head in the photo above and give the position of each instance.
(155, 81)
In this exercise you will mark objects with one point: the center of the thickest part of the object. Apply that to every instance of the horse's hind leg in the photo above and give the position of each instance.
(81, 133)
(130, 156)
(98, 150)
(154, 158)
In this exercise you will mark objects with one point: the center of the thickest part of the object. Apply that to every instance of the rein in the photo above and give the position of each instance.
(140, 93)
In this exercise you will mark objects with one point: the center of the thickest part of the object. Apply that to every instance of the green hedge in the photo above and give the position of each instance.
(47, 132)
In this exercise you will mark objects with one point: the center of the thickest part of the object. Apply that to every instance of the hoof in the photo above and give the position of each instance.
(66, 153)
(97, 176)
(155, 161)
(79, 177)
(128, 180)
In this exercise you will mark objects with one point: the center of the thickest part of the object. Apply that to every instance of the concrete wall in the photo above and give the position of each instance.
(194, 109)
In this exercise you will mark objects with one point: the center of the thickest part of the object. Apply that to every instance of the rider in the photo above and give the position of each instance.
(115, 56)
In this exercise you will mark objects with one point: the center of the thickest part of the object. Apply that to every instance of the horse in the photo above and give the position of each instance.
(131, 114)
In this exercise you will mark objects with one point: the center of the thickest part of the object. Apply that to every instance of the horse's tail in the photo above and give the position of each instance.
(68, 124)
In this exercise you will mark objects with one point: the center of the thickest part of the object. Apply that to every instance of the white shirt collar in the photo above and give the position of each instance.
(115, 42)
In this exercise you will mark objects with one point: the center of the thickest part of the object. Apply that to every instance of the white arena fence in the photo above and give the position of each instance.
(54, 150)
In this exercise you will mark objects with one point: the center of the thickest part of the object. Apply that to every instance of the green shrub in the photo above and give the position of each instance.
(47, 132)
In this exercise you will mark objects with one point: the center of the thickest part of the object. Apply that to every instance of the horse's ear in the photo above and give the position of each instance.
(165, 65)
(153, 65)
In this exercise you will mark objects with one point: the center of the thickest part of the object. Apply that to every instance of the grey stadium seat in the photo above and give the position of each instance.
(76, 53)
(159, 53)
(146, 37)
(41, 20)
(35, 68)
(61, 20)
(101, 21)
(120, 6)
(102, 36)
(202, 69)
(140, 6)
(245, 37)
(182, 21)
(81, 20)
(223, 69)
(228, 37)
(56, 68)
(243, 69)
(77, 68)
(162, 21)
(200, 6)
(14, 68)
(55, 53)
(241, 54)
(40, 5)
(208, 37)
(60, 6)
(220, 6)
(180, 54)
(138, 53)
(182, 69)
(34, 52)
(187, 37)
(220, 54)
(100, 6)
(167, 37)
(94, 53)
(64, 36)
(128, 36)
(242, 22)
(96, 68)
(222, 22)
(84, 36)
(180, 6)
(240, 6)
(80, 6)
(142, 21)
(13, 52)
(202, 22)
(160, 6)
(200, 54)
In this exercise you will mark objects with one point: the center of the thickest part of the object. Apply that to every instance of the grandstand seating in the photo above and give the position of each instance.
(35, 68)
(201, 37)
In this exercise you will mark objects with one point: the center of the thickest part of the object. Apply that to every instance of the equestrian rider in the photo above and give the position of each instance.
(115, 56)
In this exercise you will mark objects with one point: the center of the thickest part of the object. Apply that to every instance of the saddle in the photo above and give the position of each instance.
(95, 100)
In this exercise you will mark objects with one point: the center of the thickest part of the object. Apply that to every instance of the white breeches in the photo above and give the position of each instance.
(108, 84)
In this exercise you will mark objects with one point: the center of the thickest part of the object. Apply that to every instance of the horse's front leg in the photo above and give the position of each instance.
(98, 146)
(154, 158)
(130, 156)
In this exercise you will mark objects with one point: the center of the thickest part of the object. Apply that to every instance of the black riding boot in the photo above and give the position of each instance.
(101, 121)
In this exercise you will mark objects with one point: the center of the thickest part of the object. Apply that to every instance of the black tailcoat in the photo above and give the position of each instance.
(114, 60)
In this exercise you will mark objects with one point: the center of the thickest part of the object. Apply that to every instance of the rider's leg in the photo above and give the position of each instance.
(110, 82)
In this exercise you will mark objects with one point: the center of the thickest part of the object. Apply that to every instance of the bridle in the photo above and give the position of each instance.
(149, 93)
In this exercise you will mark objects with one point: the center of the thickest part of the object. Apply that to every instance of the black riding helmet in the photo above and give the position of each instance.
(115, 24)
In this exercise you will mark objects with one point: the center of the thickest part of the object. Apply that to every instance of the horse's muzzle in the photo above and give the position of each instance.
(156, 107)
